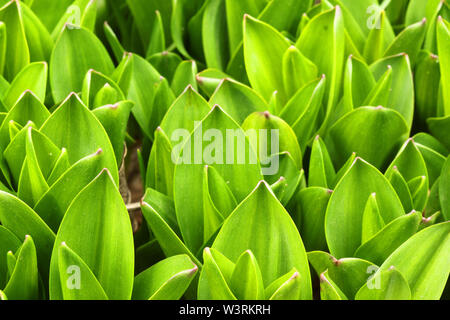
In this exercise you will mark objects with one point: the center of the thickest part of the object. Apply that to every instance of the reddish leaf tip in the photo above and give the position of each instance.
(199, 79)
(193, 270)
(295, 275)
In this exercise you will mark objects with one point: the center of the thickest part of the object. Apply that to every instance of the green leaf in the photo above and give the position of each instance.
(374, 133)
(343, 220)
(285, 14)
(355, 17)
(409, 41)
(328, 289)
(74, 127)
(93, 83)
(443, 44)
(166, 280)
(312, 204)
(183, 11)
(209, 79)
(143, 12)
(169, 241)
(166, 63)
(98, 212)
(439, 129)
(410, 163)
(235, 11)
(164, 206)
(48, 11)
(321, 170)
(323, 43)
(55, 202)
(401, 97)
(246, 281)
(434, 8)
(426, 84)
(287, 287)
(358, 82)
(348, 274)
(297, 70)
(423, 261)
(8, 242)
(264, 67)
(444, 187)
(343, 170)
(3, 42)
(40, 42)
(11, 261)
(387, 285)
(236, 66)
(17, 55)
(41, 155)
(28, 108)
(212, 283)
(415, 11)
(113, 42)
(218, 201)
(372, 221)
(184, 76)
(379, 95)
(32, 78)
(284, 172)
(389, 238)
(401, 187)
(238, 100)
(114, 119)
(62, 164)
(21, 220)
(364, 13)
(215, 34)
(257, 225)
(433, 161)
(163, 99)
(136, 77)
(270, 135)
(379, 38)
(161, 168)
(15, 155)
(187, 109)
(77, 280)
(24, 281)
(303, 110)
(235, 162)
(76, 51)
(157, 39)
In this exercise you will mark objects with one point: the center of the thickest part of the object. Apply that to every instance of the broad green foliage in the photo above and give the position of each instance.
(277, 149)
